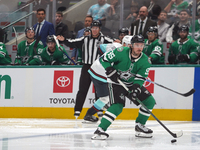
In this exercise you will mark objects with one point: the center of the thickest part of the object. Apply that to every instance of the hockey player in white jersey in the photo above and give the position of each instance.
(99, 78)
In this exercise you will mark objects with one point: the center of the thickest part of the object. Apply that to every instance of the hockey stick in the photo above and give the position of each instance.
(183, 94)
(57, 43)
(36, 43)
(175, 135)
(16, 45)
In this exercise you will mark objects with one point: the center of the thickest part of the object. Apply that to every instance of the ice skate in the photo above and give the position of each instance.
(77, 114)
(100, 134)
(90, 119)
(142, 131)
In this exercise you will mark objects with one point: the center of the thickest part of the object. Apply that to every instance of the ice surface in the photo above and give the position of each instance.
(63, 134)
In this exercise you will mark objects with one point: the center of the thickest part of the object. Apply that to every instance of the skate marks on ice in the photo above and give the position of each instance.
(50, 134)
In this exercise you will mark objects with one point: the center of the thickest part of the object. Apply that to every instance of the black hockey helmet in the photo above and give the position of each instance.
(124, 30)
(87, 29)
(137, 39)
(153, 29)
(183, 28)
(96, 23)
(29, 28)
(50, 38)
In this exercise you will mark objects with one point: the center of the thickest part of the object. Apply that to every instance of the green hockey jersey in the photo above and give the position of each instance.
(4, 57)
(57, 55)
(189, 47)
(155, 51)
(121, 60)
(26, 53)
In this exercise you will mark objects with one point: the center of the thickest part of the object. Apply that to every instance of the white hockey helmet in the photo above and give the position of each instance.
(127, 40)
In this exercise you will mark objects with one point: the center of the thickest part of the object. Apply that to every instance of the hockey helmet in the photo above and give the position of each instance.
(124, 30)
(153, 29)
(50, 38)
(29, 28)
(127, 40)
(137, 39)
(87, 29)
(183, 28)
(96, 23)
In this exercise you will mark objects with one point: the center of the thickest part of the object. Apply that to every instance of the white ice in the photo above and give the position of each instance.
(63, 134)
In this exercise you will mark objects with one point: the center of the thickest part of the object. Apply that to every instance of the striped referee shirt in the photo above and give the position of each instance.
(89, 46)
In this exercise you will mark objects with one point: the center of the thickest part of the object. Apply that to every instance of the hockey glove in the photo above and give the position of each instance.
(184, 57)
(112, 74)
(171, 59)
(55, 62)
(135, 91)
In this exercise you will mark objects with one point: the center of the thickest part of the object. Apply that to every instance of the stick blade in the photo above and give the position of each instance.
(189, 93)
(178, 134)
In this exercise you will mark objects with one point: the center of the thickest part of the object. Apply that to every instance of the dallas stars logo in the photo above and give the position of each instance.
(126, 75)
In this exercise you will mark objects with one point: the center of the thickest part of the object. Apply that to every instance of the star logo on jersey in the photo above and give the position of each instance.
(1, 47)
(122, 96)
(126, 75)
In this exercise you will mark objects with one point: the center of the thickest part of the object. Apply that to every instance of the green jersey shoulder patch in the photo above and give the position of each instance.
(120, 49)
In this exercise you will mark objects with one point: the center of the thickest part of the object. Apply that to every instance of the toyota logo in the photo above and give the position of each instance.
(63, 81)
(146, 83)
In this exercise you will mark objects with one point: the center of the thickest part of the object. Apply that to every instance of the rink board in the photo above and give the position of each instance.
(46, 92)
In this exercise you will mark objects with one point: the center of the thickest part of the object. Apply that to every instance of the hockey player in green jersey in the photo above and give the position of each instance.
(51, 55)
(4, 57)
(27, 51)
(153, 46)
(183, 50)
(126, 63)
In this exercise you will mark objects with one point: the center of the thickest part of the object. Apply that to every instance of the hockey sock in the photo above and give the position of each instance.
(98, 105)
(112, 112)
(143, 114)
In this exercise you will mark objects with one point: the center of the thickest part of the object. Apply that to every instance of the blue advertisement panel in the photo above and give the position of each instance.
(196, 101)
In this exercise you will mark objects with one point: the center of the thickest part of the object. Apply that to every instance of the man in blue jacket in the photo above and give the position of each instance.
(43, 28)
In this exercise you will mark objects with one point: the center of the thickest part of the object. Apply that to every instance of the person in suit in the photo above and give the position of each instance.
(43, 28)
(61, 28)
(141, 26)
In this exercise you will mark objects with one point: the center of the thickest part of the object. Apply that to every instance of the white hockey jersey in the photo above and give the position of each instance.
(97, 71)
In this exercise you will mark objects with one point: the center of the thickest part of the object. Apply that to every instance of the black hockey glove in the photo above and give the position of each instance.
(135, 91)
(112, 74)
(184, 57)
(171, 59)
(55, 62)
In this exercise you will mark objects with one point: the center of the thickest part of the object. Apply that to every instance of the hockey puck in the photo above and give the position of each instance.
(173, 141)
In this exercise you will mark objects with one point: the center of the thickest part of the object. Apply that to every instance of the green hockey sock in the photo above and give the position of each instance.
(143, 114)
(112, 112)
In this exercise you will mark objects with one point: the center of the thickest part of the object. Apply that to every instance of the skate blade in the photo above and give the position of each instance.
(99, 137)
(143, 135)
(88, 122)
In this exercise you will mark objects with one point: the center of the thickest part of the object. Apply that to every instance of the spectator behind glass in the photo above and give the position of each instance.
(134, 10)
(141, 26)
(174, 7)
(114, 10)
(87, 23)
(162, 26)
(61, 28)
(172, 33)
(197, 27)
(99, 11)
(183, 50)
(154, 10)
(26, 53)
(43, 28)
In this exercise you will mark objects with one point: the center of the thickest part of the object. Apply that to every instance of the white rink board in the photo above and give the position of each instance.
(33, 87)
